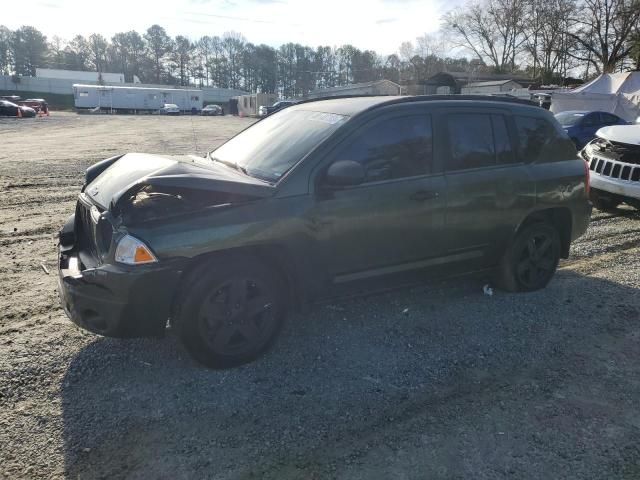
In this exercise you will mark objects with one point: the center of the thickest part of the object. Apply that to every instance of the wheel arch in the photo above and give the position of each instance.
(560, 218)
(276, 257)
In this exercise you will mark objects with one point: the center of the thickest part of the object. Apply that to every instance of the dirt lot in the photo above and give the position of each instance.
(439, 381)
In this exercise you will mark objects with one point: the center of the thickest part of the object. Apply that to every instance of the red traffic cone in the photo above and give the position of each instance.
(19, 112)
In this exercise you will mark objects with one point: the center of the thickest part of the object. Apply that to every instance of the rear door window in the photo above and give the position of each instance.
(502, 140)
(471, 141)
(540, 141)
(392, 148)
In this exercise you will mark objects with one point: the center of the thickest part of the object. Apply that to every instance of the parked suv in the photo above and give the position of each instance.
(614, 159)
(311, 201)
(263, 111)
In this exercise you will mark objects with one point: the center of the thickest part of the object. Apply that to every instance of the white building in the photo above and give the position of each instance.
(79, 76)
(221, 95)
(134, 99)
(493, 86)
(378, 87)
(248, 105)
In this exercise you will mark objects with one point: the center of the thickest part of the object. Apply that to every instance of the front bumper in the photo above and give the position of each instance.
(613, 176)
(623, 188)
(117, 301)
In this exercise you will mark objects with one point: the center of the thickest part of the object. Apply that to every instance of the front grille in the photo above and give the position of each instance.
(627, 153)
(93, 233)
(86, 229)
(615, 169)
(623, 152)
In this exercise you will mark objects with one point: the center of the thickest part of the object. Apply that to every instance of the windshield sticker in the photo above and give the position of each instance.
(330, 118)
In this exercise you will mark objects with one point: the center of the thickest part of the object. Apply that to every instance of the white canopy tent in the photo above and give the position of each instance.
(617, 93)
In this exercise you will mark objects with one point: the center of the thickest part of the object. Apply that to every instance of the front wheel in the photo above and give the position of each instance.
(531, 260)
(231, 312)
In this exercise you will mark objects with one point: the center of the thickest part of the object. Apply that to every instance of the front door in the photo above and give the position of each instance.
(393, 220)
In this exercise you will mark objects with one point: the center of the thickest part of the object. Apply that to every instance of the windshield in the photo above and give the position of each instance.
(269, 148)
(568, 119)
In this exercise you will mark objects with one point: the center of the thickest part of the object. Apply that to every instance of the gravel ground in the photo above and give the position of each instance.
(437, 381)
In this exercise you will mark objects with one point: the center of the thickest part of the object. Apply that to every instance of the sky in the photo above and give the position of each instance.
(381, 25)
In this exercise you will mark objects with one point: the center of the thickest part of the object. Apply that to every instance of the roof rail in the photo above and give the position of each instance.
(420, 98)
(338, 97)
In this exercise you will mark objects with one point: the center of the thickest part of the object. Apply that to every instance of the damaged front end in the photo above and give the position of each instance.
(614, 161)
(146, 202)
(114, 278)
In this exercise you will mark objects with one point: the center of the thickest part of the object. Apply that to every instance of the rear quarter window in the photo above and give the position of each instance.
(540, 141)
(478, 140)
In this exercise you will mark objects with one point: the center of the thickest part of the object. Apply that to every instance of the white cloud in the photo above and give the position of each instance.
(374, 24)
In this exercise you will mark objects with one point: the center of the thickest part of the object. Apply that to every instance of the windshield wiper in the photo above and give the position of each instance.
(233, 165)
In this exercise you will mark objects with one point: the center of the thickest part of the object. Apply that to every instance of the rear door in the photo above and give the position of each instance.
(488, 188)
(393, 221)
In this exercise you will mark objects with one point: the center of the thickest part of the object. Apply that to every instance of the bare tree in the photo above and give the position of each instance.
(430, 46)
(56, 52)
(233, 45)
(182, 56)
(158, 45)
(205, 49)
(98, 46)
(635, 50)
(77, 53)
(493, 30)
(28, 50)
(546, 41)
(603, 30)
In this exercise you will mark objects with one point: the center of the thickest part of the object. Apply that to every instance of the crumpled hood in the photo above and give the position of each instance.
(629, 134)
(186, 171)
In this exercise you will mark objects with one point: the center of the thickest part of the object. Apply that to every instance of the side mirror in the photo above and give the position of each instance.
(344, 173)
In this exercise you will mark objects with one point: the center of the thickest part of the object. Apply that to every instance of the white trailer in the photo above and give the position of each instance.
(112, 98)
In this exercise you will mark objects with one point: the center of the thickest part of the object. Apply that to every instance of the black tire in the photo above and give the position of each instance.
(230, 312)
(603, 203)
(531, 260)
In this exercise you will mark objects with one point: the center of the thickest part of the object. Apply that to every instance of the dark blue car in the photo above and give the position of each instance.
(581, 126)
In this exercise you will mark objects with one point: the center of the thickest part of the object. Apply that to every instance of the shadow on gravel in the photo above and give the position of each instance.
(435, 382)
(620, 212)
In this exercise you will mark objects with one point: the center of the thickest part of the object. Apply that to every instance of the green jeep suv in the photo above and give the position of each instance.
(312, 200)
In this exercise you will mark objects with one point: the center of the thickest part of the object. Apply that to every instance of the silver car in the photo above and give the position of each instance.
(170, 109)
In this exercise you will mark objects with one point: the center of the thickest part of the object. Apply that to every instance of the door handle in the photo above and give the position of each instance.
(423, 195)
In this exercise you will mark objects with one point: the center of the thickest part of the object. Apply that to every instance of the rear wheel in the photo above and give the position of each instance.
(231, 312)
(602, 202)
(531, 260)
